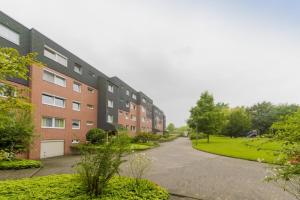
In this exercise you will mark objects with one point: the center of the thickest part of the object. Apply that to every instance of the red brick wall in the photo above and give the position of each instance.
(146, 125)
(129, 122)
(39, 86)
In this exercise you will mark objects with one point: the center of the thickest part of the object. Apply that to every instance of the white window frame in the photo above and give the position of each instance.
(126, 116)
(76, 83)
(110, 88)
(55, 76)
(76, 65)
(79, 122)
(127, 93)
(143, 109)
(110, 103)
(78, 103)
(53, 123)
(133, 96)
(110, 119)
(9, 34)
(55, 97)
(57, 54)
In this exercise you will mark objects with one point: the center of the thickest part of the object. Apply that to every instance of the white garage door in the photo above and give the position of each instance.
(52, 148)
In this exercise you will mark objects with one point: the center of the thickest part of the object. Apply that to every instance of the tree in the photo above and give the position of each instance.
(288, 174)
(206, 116)
(16, 127)
(264, 114)
(171, 127)
(239, 122)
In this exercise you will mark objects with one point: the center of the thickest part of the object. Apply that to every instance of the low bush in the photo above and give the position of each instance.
(168, 137)
(96, 136)
(20, 164)
(68, 187)
(193, 136)
(146, 137)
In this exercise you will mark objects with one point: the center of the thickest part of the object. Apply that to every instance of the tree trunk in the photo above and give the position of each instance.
(207, 138)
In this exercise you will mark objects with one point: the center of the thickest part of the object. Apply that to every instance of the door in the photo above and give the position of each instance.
(52, 148)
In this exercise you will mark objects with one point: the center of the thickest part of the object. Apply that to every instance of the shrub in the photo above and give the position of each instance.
(138, 165)
(146, 137)
(20, 164)
(97, 166)
(7, 156)
(68, 187)
(96, 136)
(193, 136)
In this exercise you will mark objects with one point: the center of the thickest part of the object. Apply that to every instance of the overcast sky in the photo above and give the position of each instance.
(172, 50)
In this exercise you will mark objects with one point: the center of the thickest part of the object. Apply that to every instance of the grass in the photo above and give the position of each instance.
(69, 187)
(140, 147)
(257, 149)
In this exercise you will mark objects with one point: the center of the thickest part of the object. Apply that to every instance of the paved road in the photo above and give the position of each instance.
(183, 170)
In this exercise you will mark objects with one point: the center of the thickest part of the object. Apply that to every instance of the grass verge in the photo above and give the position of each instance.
(256, 149)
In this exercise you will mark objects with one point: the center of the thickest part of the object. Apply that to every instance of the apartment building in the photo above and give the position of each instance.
(70, 96)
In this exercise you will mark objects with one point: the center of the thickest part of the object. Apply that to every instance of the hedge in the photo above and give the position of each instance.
(19, 164)
(69, 187)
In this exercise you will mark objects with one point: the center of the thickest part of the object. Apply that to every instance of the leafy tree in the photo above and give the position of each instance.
(96, 136)
(206, 116)
(264, 114)
(171, 127)
(239, 122)
(288, 174)
(16, 128)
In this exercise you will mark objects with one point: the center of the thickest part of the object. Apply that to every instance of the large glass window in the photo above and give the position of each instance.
(53, 101)
(9, 34)
(52, 122)
(53, 78)
(54, 55)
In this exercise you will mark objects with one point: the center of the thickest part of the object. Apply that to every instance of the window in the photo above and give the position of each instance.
(132, 106)
(127, 104)
(127, 92)
(133, 96)
(133, 117)
(143, 119)
(77, 68)
(53, 78)
(91, 90)
(75, 141)
(53, 101)
(76, 106)
(143, 109)
(52, 122)
(144, 100)
(6, 91)
(75, 124)
(77, 87)
(126, 116)
(110, 118)
(90, 106)
(54, 55)
(9, 34)
(89, 123)
(110, 103)
(111, 88)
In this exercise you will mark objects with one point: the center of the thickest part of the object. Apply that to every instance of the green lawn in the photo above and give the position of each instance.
(257, 149)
